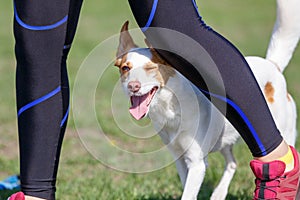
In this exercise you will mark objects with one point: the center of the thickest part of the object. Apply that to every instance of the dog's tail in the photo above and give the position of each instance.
(286, 33)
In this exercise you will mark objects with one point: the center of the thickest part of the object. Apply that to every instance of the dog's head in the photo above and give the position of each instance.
(143, 73)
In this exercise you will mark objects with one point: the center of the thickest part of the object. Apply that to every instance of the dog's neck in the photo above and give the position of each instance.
(166, 107)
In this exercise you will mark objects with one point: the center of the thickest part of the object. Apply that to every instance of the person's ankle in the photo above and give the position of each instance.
(282, 153)
(32, 198)
(277, 153)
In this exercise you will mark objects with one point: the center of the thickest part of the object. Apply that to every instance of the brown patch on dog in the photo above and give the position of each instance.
(119, 61)
(165, 72)
(124, 66)
(269, 92)
(157, 59)
(124, 69)
(160, 67)
(151, 67)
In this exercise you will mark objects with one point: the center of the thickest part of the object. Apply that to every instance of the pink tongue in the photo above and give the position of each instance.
(139, 106)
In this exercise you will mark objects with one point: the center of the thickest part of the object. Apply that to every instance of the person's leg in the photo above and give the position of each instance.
(73, 17)
(41, 29)
(246, 107)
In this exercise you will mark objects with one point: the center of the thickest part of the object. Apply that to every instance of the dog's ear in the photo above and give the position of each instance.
(154, 52)
(125, 43)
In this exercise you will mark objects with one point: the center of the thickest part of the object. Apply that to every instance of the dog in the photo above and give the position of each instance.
(192, 130)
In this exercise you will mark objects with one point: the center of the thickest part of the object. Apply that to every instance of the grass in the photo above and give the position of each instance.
(84, 174)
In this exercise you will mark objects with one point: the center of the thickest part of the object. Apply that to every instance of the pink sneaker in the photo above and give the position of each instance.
(17, 196)
(271, 181)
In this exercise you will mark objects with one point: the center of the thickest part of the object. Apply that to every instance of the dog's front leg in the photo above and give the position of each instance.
(195, 176)
(221, 190)
(182, 170)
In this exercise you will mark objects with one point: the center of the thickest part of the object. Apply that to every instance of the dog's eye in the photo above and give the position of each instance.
(125, 68)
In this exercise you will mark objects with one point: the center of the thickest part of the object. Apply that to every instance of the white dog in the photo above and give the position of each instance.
(197, 128)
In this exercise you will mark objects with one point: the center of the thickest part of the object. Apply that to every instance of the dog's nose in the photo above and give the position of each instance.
(134, 86)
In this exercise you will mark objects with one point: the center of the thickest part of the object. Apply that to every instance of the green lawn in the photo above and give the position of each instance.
(90, 174)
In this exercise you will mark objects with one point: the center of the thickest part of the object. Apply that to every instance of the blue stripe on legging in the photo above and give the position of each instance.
(39, 100)
(196, 7)
(67, 46)
(244, 117)
(151, 16)
(38, 28)
(65, 117)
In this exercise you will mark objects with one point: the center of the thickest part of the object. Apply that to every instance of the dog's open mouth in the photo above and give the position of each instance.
(140, 104)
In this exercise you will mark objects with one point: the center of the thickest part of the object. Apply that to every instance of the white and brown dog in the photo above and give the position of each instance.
(184, 118)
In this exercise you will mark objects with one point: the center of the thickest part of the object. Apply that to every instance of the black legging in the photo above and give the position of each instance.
(246, 106)
(44, 31)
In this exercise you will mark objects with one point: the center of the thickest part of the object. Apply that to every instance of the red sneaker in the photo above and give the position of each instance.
(271, 181)
(17, 196)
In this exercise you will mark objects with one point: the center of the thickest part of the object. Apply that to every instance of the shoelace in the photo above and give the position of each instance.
(265, 187)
